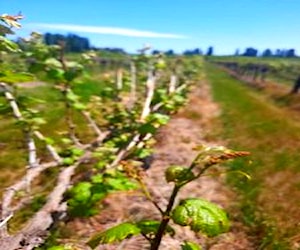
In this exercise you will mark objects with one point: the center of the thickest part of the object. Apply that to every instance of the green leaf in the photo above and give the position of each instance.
(151, 226)
(9, 76)
(98, 178)
(49, 140)
(178, 174)
(38, 120)
(114, 234)
(190, 246)
(53, 63)
(79, 106)
(57, 248)
(55, 74)
(143, 152)
(77, 151)
(66, 141)
(160, 64)
(70, 75)
(161, 119)
(73, 65)
(67, 161)
(36, 67)
(71, 96)
(202, 216)
(7, 45)
(5, 30)
(120, 183)
(147, 128)
(81, 192)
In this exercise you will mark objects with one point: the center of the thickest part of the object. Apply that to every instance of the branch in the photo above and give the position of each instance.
(70, 123)
(119, 76)
(5, 220)
(123, 152)
(12, 102)
(35, 231)
(31, 174)
(150, 92)
(32, 158)
(93, 124)
(146, 111)
(10, 192)
(172, 85)
(51, 149)
(132, 85)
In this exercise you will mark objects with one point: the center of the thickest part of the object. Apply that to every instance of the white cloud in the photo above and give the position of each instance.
(105, 30)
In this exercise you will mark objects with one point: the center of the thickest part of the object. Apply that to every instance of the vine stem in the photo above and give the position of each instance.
(150, 92)
(132, 85)
(165, 220)
(155, 243)
(65, 91)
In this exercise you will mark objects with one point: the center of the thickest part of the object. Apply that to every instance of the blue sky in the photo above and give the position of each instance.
(226, 25)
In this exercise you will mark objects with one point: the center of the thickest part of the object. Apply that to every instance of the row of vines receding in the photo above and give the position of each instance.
(90, 132)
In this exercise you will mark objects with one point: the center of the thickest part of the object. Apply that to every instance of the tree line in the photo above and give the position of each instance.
(75, 43)
(252, 52)
(72, 43)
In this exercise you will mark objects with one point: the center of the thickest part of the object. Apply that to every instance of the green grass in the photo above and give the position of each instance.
(270, 202)
(88, 88)
(48, 100)
(282, 70)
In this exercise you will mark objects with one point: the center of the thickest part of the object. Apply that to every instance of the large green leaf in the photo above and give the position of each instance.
(8, 76)
(114, 234)
(201, 216)
(190, 246)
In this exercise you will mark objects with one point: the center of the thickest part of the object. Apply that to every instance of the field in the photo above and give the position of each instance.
(253, 121)
(90, 142)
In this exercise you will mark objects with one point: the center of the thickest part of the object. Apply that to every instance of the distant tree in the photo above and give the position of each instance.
(250, 52)
(237, 52)
(170, 52)
(267, 53)
(290, 53)
(155, 52)
(285, 53)
(279, 53)
(74, 43)
(210, 51)
(196, 51)
(114, 50)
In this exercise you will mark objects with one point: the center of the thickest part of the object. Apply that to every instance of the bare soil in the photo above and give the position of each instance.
(175, 143)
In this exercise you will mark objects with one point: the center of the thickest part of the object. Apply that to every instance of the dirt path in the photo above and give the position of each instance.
(175, 143)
